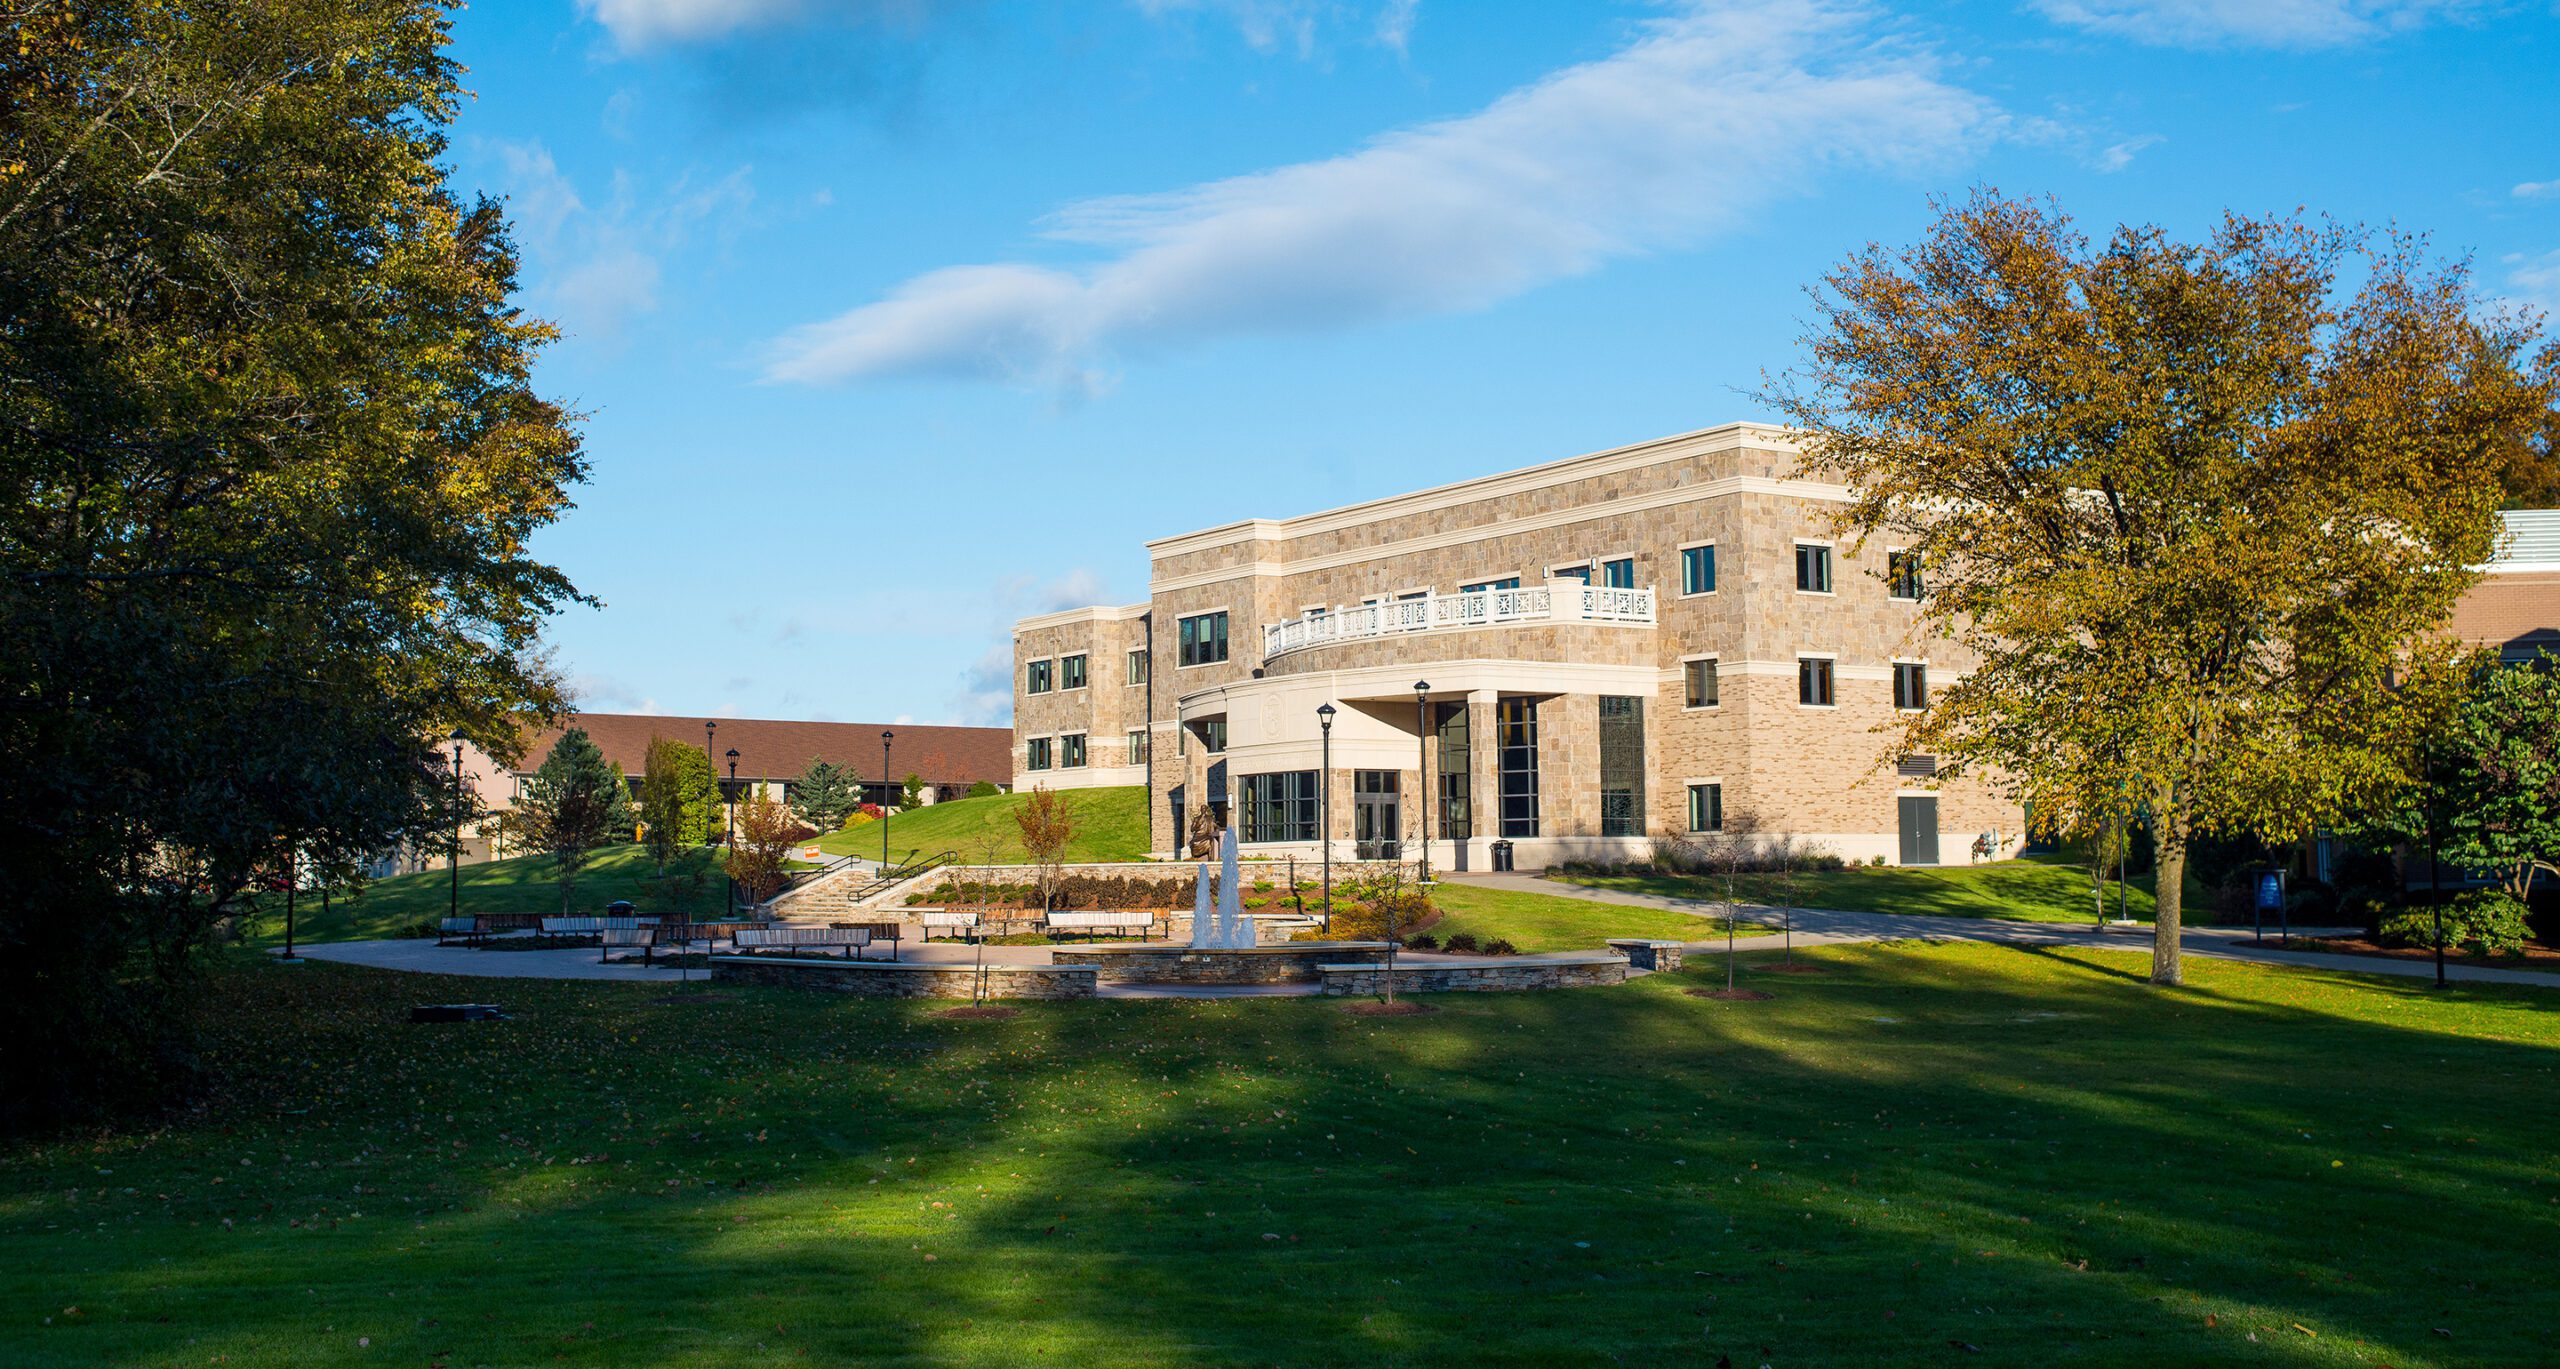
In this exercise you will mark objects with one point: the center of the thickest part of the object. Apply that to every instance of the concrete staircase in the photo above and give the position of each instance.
(852, 894)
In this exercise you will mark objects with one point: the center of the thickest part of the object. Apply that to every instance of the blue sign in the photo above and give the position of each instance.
(2270, 892)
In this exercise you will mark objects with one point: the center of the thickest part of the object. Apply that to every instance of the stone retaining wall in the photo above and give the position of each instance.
(1288, 962)
(1647, 954)
(891, 979)
(1506, 974)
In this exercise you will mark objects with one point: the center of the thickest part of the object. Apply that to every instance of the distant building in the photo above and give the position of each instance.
(2516, 605)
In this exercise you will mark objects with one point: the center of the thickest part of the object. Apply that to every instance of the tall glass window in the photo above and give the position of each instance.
(1698, 570)
(1071, 671)
(1621, 766)
(1619, 574)
(1279, 807)
(1457, 816)
(1138, 666)
(1516, 736)
(1036, 677)
(1139, 744)
(1204, 638)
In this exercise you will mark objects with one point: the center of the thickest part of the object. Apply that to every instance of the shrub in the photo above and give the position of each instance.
(1421, 941)
(1498, 946)
(984, 789)
(1460, 943)
(2482, 922)
(858, 817)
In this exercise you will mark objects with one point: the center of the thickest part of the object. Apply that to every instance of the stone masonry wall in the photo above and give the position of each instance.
(1494, 976)
(882, 979)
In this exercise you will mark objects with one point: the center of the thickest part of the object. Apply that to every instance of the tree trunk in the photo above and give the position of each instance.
(2170, 869)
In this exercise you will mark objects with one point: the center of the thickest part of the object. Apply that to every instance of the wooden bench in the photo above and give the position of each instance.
(467, 928)
(1143, 923)
(593, 926)
(852, 939)
(964, 921)
(890, 932)
(646, 938)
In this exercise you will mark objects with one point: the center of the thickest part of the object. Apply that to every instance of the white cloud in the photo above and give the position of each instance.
(2537, 190)
(2535, 281)
(644, 23)
(1705, 118)
(2249, 23)
(591, 269)
(985, 696)
(2117, 156)
(1294, 25)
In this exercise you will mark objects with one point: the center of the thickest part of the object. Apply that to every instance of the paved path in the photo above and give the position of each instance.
(1829, 926)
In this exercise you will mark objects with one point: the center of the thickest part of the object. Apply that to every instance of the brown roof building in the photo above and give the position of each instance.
(770, 750)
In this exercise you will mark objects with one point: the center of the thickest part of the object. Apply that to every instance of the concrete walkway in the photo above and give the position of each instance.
(1831, 926)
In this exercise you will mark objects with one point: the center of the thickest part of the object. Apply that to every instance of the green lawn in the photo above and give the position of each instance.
(524, 884)
(1554, 922)
(1928, 1153)
(1111, 824)
(2034, 889)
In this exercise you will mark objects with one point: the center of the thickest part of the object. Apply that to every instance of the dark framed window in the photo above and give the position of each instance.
(1071, 671)
(1035, 754)
(1139, 744)
(1138, 666)
(1506, 582)
(1910, 685)
(1071, 751)
(1581, 572)
(1279, 807)
(1037, 677)
(1706, 808)
(1515, 726)
(1621, 765)
(1813, 681)
(1214, 734)
(1902, 574)
(1457, 817)
(1698, 570)
(1619, 574)
(1203, 638)
(1704, 691)
(1813, 568)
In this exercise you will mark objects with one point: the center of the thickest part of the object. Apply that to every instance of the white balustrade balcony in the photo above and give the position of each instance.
(1557, 601)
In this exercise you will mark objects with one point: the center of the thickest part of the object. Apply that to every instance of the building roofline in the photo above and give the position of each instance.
(1722, 437)
(1091, 613)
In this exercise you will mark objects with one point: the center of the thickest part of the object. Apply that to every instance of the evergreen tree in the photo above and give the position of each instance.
(575, 802)
(913, 796)
(825, 795)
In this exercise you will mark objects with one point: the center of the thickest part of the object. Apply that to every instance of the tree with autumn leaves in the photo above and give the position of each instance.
(2199, 510)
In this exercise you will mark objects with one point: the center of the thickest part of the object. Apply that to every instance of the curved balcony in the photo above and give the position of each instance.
(1557, 601)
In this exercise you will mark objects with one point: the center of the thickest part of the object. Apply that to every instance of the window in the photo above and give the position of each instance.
(1813, 681)
(1619, 574)
(1706, 808)
(1813, 568)
(1071, 671)
(1279, 807)
(1507, 582)
(1413, 594)
(1204, 639)
(1457, 821)
(1910, 685)
(1621, 766)
(1214, 732)
(1581, 572)
(1515, 727)
(1702, 684)
(1138, 666)
(1071, 751)
(1902, 574)
(1139, 744)
(1035, 754)
(1037, 677)
(1698, 570)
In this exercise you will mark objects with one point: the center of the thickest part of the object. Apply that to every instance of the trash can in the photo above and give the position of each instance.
(1501, 856)
(620, 907)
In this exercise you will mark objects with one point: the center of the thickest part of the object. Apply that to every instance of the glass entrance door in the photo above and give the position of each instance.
(1374, 831)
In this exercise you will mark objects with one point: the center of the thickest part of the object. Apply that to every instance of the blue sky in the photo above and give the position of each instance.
(900, 319)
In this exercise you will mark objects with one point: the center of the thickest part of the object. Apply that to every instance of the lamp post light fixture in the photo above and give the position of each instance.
(1324, 808)
(453, 857)
(1422, 768)
(732, 844)
(886, 737)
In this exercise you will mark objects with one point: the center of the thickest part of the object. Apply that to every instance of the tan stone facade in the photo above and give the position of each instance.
(1382, 596)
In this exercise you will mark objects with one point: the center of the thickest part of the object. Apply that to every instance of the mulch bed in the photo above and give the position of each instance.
(979, 1012)
(2534, 957)
(1403, 1007)
(1729, 995)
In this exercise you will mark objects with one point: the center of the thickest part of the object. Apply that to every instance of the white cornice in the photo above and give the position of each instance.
(1679, 446)
(1067, 617)
(1587, 513)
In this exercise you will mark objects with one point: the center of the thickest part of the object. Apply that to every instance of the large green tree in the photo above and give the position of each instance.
(270, 459)
(2197, 510)
(574, 802)
(678, 799)
(2498, 769)
(825, 795)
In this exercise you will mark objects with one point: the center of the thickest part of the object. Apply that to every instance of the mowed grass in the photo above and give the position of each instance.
(2033, 889)
(1110, 824)
(520, 884)
(1558, 922)
(1952, 1154)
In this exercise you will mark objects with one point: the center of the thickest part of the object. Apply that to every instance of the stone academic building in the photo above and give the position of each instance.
(1575, 658)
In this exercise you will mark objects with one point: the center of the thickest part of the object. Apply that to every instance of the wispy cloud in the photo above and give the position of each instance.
(1297, 26)
(1703, 119)
(985, 696)
(2251, 23)
(596, 268)
(638, 24)
(2536, 190)
(2535, 280)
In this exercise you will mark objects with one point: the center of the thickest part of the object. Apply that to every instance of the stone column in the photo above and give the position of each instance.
(1484, 778)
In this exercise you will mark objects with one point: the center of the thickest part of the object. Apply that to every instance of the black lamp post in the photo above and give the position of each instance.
(453, 857)
(710, 759)
(1422, 766)
(886, 736)
(732, 845)
(1324, 808)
